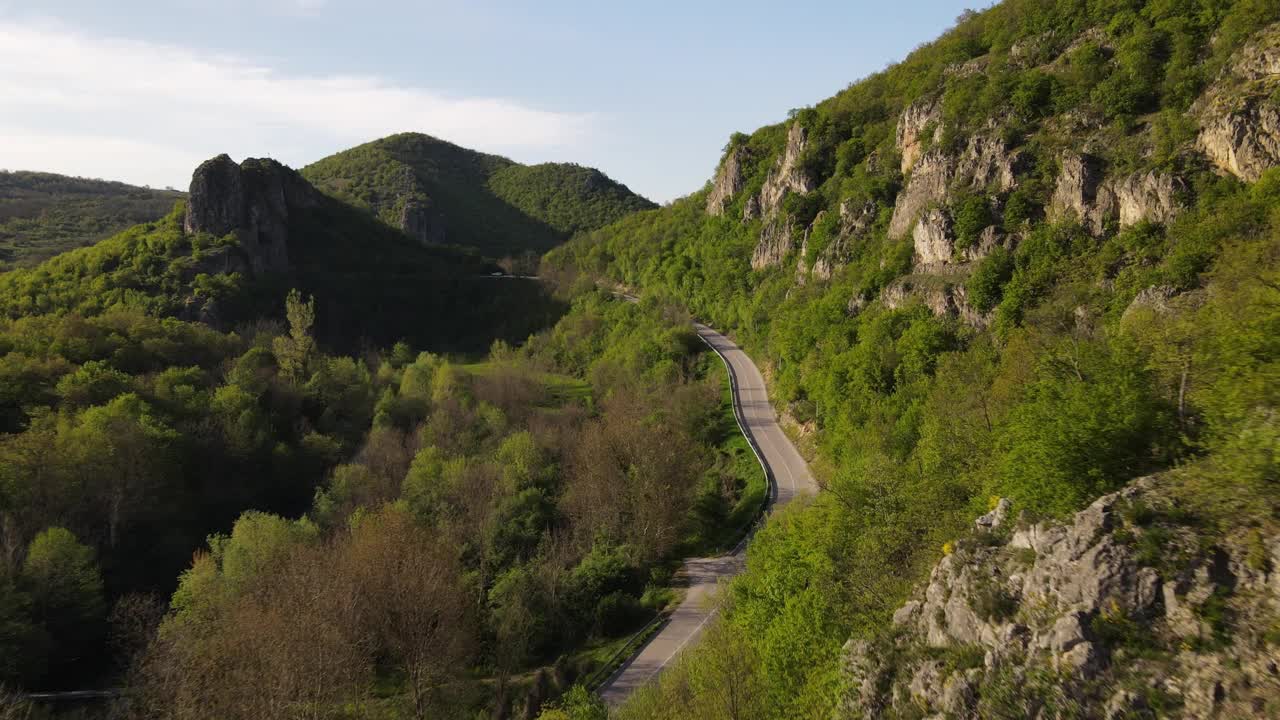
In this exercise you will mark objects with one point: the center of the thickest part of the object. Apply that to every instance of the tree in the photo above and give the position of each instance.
(65, 586)
(121, 451)
(294, 351)
(411, 600)
(577, 704)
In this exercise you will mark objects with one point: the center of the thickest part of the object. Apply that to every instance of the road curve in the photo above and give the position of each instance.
(789, 478)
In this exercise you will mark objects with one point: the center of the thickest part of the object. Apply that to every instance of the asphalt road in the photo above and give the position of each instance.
(791, 478)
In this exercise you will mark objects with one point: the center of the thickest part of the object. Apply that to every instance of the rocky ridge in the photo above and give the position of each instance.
(1129, 607)
(253, 200)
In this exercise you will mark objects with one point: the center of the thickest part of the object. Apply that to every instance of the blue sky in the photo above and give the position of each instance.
(647, 91)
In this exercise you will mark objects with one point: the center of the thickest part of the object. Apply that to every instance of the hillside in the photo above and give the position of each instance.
(42, 214)
(443, 194)
(1035, 260)
(246, 234)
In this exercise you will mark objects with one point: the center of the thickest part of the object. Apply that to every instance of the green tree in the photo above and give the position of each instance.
(294, 351)
(65, 586)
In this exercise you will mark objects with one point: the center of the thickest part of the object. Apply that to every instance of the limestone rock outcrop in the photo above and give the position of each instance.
(942, 297)
(1083, 192)
(786, 176)
(929, 184)
(986, 164)
(1118, 608)
(1239, 113)
(421, 221)
(774, 244)
(856, 219)
(934, 239)
(1148, 196)
(911, 137)
(1244, 142)
(728, 182)
(253, 200)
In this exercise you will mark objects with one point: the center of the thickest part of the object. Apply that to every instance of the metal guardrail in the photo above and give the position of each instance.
(771, 484)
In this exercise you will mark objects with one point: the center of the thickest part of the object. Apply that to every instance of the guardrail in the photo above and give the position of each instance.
(771, 485)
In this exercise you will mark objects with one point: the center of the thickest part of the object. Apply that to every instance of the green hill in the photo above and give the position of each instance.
(440, 193)
(1036, 260)
(227, 255)
(43, 214)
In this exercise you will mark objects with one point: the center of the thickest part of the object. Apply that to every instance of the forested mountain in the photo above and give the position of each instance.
(1036, 260)
(441, 193)
(42, 214)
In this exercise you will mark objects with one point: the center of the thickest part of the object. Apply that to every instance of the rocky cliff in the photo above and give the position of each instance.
(1130, 609)
(252, 200)
(1240, 113)
(1238, 132)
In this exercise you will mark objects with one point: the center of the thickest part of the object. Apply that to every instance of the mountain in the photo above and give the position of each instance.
(246, 234)
(440, 193)
(1035, 261)
(42, 214)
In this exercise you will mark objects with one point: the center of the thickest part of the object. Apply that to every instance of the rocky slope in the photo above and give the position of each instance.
(439, 193)
(1238, 133)
(1131, 609)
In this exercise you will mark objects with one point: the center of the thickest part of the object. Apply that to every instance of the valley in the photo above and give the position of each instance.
(953, 394)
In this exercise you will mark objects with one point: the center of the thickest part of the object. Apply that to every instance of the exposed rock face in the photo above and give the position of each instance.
(933, 237)
(1240, 122)
(1244, 143)
(988, 161)
(728, 182)
(1082, 192)
(421, 221)
(928, 186)
(786, 176)
(855, 222)
(1148, 196)
(990, 239)
(910, 136)
(944, 299)
(1079, 612)
(774, 244)
(253, 200)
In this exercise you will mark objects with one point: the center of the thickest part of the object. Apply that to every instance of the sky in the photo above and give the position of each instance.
(648, 92)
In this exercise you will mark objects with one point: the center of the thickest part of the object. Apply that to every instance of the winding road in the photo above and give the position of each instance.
(789, 478)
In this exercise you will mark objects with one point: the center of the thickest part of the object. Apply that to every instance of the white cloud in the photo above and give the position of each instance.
(141, 111)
